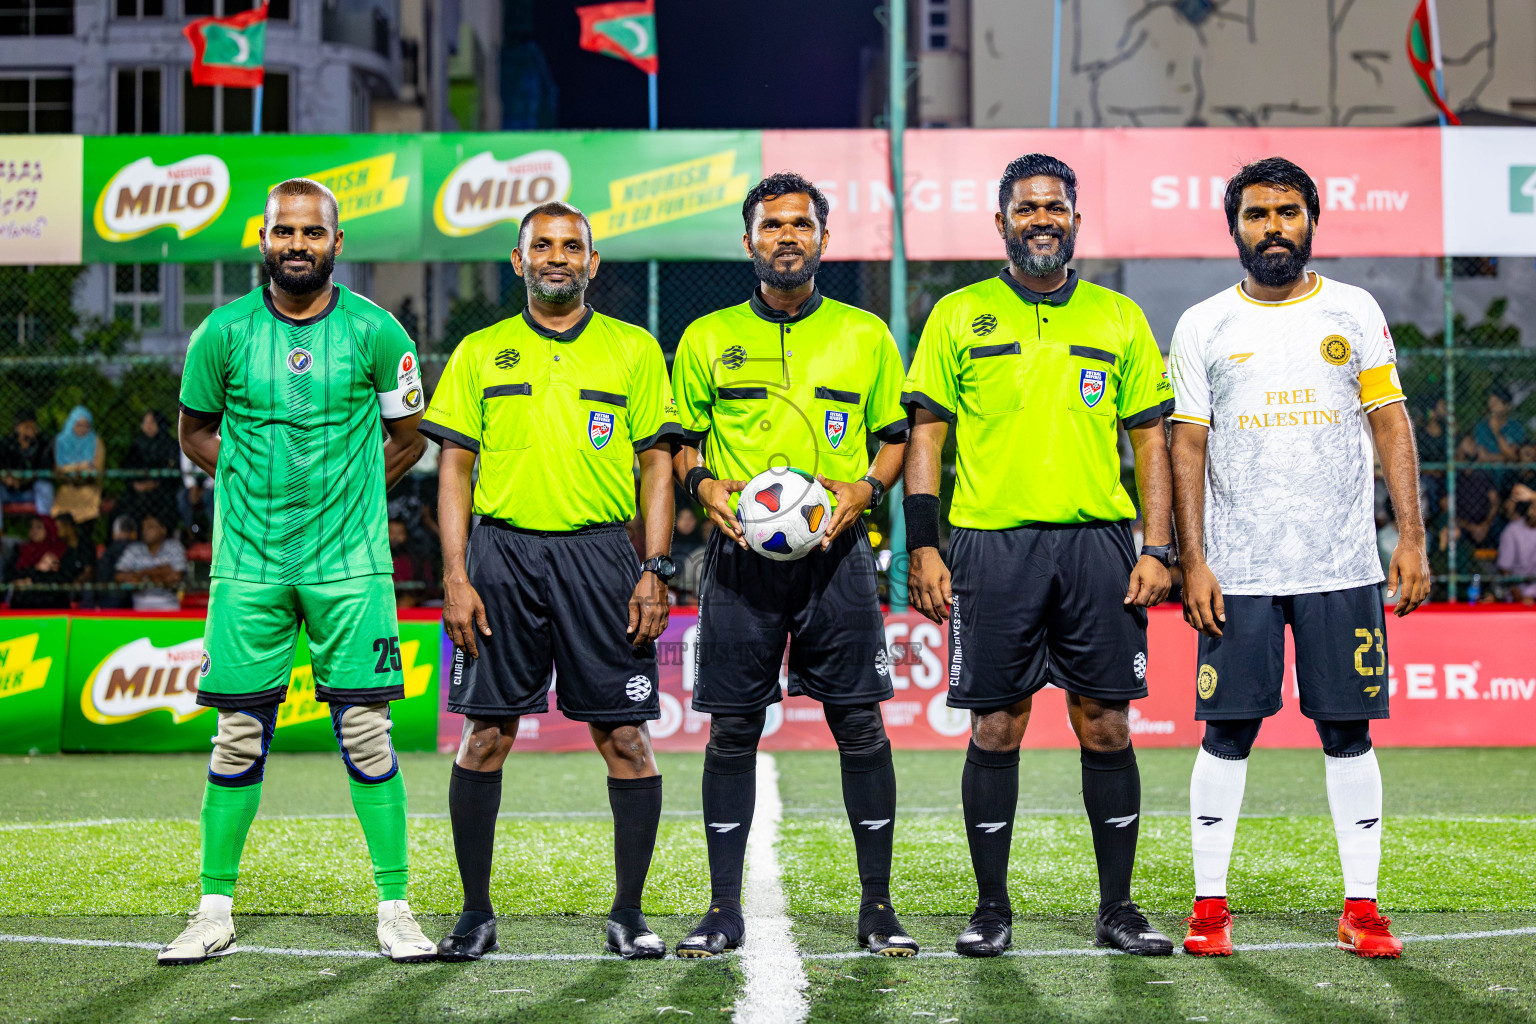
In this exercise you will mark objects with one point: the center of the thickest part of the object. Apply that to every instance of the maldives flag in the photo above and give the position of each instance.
(229, 51)
(625, 29)
(1423, 54)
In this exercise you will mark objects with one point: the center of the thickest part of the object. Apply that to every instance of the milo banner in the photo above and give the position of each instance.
(194, 198)
(1457, 676)
(132, 685)
(31, 683)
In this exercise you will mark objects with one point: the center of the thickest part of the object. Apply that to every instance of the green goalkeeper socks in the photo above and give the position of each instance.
(380, 810)
(226, 818)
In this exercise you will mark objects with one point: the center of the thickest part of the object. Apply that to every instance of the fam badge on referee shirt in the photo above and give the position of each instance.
(600, 428)
(1091, 384)
(837, 426)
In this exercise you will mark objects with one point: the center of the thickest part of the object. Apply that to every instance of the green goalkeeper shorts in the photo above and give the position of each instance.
(253, 628)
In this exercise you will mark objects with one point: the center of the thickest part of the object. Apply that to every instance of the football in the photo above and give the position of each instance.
(784, 513)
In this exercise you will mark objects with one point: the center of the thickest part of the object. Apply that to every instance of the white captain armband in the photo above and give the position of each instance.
(406, 399)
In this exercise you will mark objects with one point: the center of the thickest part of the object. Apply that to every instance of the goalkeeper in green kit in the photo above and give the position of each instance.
(305, 398)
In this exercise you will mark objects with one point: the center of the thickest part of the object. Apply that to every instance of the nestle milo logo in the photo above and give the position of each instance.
(187, 195)
(484, 191)
(139, 677)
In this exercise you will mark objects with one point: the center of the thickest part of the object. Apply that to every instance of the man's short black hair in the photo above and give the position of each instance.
(1032, 165)
(553, 208)
(784, 183)
(24, 415)
(1274, 170)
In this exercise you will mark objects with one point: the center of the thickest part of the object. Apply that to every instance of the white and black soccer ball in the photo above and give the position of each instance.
(784, 513)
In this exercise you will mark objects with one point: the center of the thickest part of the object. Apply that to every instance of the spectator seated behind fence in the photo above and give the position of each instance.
(39, 568)
(27, 451)
(125, 530)
(410, 567)
(154, 448)
(155, 558)
(1477, 499)
(79, 458)
(79, 560)
(1517, 545)
(1499, 435)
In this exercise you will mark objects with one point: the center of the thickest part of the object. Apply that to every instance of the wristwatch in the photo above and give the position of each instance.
(879, 491)
(1162, 552)
(662, 566)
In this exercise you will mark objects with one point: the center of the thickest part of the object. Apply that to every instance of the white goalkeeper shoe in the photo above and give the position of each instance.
(400, 936)
(206, 935)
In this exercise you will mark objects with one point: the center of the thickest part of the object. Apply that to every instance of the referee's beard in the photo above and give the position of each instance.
(559, 294)
(762, 264)
(1040, 264)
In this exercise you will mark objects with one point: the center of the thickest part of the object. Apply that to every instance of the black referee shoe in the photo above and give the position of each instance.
(721, 929)
(635, 942)
(1123, 926)
(882, 934)
(472, 937)
(989, 933)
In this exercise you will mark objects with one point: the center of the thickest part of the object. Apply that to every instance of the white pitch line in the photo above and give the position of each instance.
(774, 981)
(361, 954)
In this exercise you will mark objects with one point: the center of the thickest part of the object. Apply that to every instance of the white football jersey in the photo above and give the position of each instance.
(1285, 388)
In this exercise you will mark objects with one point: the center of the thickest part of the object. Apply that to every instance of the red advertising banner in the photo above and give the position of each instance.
(1458, 677)
(1143, 193)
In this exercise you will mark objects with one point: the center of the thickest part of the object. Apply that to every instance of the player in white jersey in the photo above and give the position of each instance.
(1281, 384)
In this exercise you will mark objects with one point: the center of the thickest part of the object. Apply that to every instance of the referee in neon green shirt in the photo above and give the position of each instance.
(791, 378)
(1037, 370)
(556, 404)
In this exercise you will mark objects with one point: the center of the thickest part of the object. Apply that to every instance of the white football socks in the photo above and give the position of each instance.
(1215, 800)
(216, 906)
(1354, 796)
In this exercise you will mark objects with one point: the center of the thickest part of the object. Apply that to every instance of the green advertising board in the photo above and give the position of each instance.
(31, 683)
(197, 198)
(648, 194)
(132, 685)
(452, 197)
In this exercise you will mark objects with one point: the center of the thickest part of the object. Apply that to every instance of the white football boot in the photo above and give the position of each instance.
(208, 933)
(400, 936)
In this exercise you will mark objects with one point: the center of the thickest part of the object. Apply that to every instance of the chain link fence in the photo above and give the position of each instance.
(1473, 402)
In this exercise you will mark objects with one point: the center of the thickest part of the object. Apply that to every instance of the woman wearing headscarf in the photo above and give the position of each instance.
(155, 448)
(39, 560)
(79, 458)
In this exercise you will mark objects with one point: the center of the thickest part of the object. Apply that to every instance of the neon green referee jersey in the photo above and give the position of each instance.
(300, 487)
(768, 389)
(557, 417)
(1035, 387)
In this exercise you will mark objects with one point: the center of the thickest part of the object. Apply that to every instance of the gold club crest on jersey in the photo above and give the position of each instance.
(1336, 349)
(1205, 683)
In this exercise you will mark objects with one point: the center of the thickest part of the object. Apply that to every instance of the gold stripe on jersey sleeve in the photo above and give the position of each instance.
(1186, 417)
(1380, 386)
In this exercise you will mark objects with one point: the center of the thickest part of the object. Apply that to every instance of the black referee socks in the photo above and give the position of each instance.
(730, 796)
(474, 800)
(869, 795)
(1112, 797)
(636, 805)
(989, 791)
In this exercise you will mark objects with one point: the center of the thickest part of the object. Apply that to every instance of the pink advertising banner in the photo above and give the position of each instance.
(1143, 193)
(1457, 677)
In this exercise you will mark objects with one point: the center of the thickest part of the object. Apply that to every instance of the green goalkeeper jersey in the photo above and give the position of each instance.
(299, 494)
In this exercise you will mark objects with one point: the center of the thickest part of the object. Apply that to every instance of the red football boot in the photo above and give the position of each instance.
(1210, 928)
(1363, 931)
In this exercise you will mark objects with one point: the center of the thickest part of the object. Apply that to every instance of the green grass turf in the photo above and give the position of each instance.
(1461, 827)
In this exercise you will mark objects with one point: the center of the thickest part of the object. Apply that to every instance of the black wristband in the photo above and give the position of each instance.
(922, 513)
(697, 475)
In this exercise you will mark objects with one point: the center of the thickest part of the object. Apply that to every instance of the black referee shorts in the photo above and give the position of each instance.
(561, 599)
(825, 604)
(1341, 657)
(1044, 604)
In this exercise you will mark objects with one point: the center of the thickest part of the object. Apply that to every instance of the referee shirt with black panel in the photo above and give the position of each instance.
(556, 417)
(769, 389)
(1035, 386)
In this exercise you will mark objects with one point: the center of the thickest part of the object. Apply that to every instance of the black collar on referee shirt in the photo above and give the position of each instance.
(309, 321)
(1058, 297)
(569, 334)
(778, 316)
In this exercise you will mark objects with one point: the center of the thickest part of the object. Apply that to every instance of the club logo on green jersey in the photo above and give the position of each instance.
(299, 360)
(734, 357)
(984, 324)
(507, 358)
